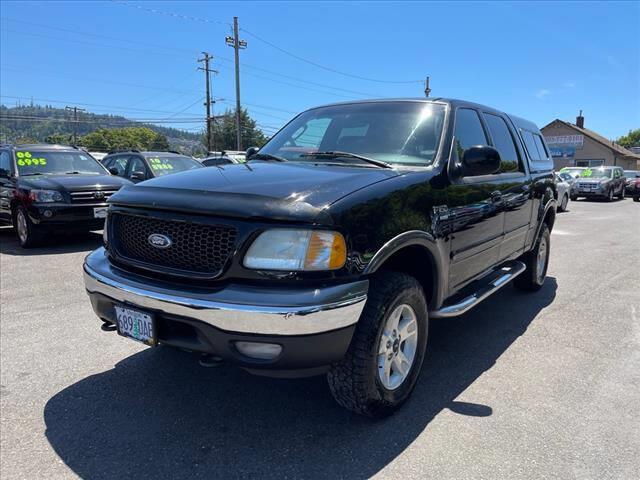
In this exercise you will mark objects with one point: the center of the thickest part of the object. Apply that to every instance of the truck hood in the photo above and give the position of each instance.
(72, 183)
(258, 189)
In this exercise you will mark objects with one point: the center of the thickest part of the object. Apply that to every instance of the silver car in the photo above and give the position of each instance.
(564, 192)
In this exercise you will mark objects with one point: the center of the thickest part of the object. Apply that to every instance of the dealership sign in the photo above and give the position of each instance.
(564, 146)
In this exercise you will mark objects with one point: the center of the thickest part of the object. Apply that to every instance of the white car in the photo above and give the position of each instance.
(564, 192)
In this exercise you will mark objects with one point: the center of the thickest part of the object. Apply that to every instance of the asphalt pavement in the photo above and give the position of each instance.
(543, 385)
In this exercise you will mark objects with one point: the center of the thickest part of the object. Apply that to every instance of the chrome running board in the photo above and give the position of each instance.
(506, 273)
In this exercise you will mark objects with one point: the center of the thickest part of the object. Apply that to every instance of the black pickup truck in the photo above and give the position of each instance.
(332, 247)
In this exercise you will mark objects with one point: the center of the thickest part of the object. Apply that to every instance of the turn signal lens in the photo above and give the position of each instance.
(326, 251)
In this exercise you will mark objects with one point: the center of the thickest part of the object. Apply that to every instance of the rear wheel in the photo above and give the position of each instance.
(29, 235)
(537, 261)
(380, 369)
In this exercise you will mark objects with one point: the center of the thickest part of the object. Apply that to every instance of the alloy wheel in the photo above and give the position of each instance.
(21, 226)
(397, 347)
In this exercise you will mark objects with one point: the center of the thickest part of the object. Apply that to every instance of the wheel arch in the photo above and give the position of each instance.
(415, 253)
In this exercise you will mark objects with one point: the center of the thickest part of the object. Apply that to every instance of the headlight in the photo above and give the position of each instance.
(44, 196)
(297, 250)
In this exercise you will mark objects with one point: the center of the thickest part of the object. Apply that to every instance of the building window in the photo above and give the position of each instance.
(590, 163)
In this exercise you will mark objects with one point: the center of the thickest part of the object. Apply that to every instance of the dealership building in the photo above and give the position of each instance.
(572, 145)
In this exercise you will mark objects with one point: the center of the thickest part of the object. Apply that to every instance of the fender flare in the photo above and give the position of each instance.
(408, 239)
(551, 204)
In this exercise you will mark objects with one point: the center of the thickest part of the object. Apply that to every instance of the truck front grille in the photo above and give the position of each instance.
(196, 249)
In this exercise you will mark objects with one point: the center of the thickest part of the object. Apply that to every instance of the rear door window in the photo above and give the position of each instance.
(503, 142)
(537, 151)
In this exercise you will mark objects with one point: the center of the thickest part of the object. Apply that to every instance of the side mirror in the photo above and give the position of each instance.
(251, 151)
(114, 171)
(480, 160)
(137, 175)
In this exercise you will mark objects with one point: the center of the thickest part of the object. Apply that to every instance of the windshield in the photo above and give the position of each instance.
(33, 162)
(402, 133)
(566, 176)
(574, 172)
(596, 173)
(631, 174)
(163, 165)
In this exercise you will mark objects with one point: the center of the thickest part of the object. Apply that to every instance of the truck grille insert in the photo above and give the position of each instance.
(195, 248)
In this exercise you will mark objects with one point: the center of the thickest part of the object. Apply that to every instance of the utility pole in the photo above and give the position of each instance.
(75, 121)
(208, 102)
(237, 44)
(427, 90)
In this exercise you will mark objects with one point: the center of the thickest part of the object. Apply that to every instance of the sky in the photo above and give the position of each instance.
(538, 60)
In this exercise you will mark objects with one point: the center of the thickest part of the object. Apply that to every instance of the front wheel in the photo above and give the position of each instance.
(636, 199)
(380, 369)
(563, 203)
(537, 262)
(610, 195)
(622, 193)
(29, 235)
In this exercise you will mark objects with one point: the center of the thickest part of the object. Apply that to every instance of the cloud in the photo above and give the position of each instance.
(569, 84)
(542, 93)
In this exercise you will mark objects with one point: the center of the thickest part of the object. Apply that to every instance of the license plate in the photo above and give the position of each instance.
(136, 324)
(100, 212)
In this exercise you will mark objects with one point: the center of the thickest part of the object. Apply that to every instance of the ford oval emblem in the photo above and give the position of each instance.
(159, 241)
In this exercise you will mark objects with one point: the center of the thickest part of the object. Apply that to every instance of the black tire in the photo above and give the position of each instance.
(354, 380)
(573, 198)
(562, 207)
(622, 193)
(609, 197)
(636, 199)
(29, 235)
(532, 280)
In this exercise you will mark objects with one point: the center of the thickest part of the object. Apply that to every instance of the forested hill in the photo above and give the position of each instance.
(37, 122)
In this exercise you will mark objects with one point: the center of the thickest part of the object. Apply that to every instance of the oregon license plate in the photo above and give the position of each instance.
(100, 212)
(136, 324)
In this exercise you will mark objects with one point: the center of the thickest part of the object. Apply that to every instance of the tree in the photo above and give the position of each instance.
(139, 138)
(58, 138)
(632, 139)
(224, 132)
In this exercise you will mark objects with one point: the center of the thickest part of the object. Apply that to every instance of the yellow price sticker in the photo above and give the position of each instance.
(26, 159)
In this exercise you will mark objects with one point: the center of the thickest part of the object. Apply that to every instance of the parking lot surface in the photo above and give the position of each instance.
(543, 385)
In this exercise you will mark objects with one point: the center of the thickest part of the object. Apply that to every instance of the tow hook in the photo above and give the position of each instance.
(108, 327)
(209, 361)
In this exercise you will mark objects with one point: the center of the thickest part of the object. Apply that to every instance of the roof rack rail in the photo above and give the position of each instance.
(123, 150)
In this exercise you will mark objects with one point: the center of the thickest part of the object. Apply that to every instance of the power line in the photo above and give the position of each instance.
(191, 53)
(266, 42)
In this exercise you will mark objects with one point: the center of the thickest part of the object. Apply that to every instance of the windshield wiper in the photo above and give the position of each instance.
(30, 174)
(338, 154)
(267, 156)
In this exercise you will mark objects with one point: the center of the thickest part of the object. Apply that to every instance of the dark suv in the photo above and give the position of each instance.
(44, 188)
(138, 166)
(333, 246)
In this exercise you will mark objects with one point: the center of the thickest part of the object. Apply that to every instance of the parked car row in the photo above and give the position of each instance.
(604, 182)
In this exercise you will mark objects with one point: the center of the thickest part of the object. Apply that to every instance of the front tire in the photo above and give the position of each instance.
(610, 195)
(622, 193)
(537, 262)
(29, 235)
(636, 199)
(563, 204)
(381, 366)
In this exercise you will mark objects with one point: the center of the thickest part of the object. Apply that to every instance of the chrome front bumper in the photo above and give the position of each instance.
(234, 308)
